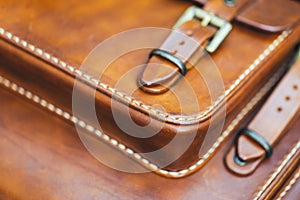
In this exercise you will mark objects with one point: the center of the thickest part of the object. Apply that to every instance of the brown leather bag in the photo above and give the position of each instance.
(170, 89)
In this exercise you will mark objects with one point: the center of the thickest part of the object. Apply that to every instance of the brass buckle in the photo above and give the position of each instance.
(207, 18)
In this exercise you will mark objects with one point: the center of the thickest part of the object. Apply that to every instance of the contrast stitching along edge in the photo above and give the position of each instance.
(277, 171)
(289, 186)
(173, 118)
(128, 151)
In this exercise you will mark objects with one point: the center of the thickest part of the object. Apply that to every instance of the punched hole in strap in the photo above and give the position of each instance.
(256, 138)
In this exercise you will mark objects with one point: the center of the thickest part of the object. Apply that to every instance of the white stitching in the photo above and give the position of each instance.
(162, 116)
(289, 186)
(277, 170)
(42, 102)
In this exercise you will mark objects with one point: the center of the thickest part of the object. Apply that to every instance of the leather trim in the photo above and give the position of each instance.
(277, 171)
(290, 185)
(281, 109)
(261, 15)
(219, 8)
(129, 152)
(167, 117)
(257, 13)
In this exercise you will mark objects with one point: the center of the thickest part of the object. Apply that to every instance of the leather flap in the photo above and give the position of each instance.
(271, 15)
(267, 15)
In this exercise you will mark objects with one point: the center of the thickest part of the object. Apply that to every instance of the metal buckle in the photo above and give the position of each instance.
(207, 18)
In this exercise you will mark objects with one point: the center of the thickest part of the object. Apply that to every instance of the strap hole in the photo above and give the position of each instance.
(287, 98)
(295, 87)
(189, 32)
(182, 43)
(279, 109)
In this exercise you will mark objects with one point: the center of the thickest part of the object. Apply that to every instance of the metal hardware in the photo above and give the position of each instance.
(229, 2)
(207, 18)
(168, 56)
(259, 140)
(256, 138)
(239, 161)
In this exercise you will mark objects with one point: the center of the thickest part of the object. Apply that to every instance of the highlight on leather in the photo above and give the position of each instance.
(146, 129)
(248, 56)
(269, 125)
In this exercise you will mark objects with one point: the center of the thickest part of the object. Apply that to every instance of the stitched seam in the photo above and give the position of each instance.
(42, 102)
(128, 99)
(289, 186)
(277, 170)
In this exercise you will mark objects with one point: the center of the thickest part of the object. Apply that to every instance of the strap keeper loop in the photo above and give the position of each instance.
(258, 139)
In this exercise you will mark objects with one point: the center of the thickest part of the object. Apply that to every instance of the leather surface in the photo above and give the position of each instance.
(160, 75)
(253, 15)
(38, 162)
(71, 38)
(257, 13)
(291, 189)
(280, 110)
(73, 50)
(42, 156)
(227, 12)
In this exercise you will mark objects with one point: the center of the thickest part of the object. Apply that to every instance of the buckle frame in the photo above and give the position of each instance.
(207, 18)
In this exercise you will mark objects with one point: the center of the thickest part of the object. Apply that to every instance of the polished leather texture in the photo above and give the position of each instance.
(271, 123)
(71, 41)
(259, 14)
(290, 190)
(42, 157)
(73, 38)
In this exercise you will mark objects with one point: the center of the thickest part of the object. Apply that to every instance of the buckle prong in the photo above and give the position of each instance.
(207, 18)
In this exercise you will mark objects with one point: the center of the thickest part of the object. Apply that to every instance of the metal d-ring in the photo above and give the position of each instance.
(230, 2)
(259, 140)
(238, 160)
(256, 138)
(169, 57)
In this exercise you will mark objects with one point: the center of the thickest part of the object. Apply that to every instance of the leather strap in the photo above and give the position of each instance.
(160, 74)
(259, 14)
(225, 11)
(270, 124)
